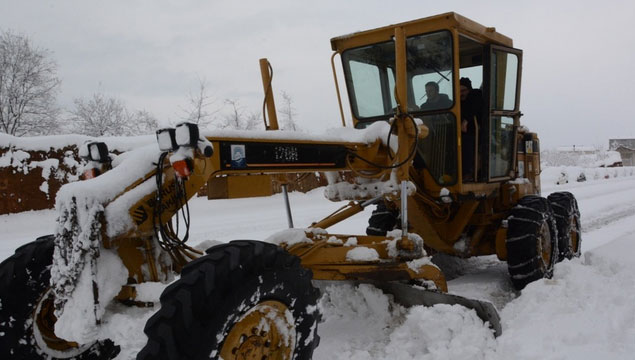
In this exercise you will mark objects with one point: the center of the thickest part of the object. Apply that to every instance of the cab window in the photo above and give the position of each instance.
(430, 71)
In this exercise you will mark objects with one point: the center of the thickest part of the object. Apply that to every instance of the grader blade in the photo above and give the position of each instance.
(408, 295)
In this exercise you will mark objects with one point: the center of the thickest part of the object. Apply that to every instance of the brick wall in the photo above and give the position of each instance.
(30, 179)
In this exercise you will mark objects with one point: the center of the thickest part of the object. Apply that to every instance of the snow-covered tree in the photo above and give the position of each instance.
(28, 87)
(142, 122)
(108, 116)
(288, 113)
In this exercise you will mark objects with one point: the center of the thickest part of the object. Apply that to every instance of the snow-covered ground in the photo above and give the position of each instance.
(587, 311)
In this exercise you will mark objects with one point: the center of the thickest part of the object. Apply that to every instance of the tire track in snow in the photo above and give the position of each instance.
(608, 218)
(602, 202)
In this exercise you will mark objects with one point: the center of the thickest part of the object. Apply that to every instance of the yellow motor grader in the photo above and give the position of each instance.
(437, 147)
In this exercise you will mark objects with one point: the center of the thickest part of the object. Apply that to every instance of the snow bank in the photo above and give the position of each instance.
(586, 311)
(553, 175)
(357, 322)
(441, 332)
(364, 323)
(580, 156)
(50, 142)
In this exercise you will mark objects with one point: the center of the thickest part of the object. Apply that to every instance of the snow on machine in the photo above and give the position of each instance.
(444, 160)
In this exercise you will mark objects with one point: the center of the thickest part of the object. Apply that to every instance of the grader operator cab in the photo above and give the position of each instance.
(451, 170)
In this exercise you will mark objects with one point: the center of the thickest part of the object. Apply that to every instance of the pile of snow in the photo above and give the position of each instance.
(610, 158)
(585, 311)
(364, 323)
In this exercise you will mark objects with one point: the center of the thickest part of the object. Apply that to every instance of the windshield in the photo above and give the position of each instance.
(370, 79)
(430, 71)
(370, 76)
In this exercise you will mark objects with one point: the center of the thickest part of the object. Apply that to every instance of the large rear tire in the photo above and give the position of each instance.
(245, 299)
(26, 310)
(567, 214)
(532, 248)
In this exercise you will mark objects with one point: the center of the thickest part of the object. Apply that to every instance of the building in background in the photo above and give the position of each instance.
(626, 148)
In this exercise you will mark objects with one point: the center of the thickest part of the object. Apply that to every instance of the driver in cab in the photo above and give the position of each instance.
(435, 100)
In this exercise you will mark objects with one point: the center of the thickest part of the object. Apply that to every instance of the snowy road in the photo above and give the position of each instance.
(586, 311)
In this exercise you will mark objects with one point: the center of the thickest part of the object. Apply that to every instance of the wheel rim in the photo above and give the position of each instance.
(266, 331)
(44, 320)
(545, 246)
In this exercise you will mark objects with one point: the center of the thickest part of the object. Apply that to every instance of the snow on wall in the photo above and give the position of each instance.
(30, 179)
(48, 143)
(32, 169)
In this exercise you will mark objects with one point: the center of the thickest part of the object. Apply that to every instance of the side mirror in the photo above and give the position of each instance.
(187, 134)
(167, 139)
(95, 151)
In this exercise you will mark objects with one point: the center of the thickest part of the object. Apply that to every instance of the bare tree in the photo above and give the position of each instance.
(199, 103)
(236, 118)
(288, 113)
(99, 116)
(142, 122)
(254, 121)
(28, 87)
(102, 116)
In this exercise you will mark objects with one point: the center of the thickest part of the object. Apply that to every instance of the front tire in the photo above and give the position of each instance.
(532, 248)
(26, 310)
(242, 299)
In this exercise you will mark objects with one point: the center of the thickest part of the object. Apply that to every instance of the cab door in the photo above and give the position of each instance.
(503, 92)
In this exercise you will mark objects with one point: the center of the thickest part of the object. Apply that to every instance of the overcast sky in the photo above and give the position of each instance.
(579, 56)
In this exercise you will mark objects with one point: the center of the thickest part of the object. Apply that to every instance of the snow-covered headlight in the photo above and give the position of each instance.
(167, 139)
(187, 134)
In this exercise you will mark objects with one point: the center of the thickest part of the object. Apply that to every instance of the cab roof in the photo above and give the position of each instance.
(448, 20)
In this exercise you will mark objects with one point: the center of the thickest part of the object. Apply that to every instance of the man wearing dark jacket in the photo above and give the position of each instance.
(435, 100)
(471, 121)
